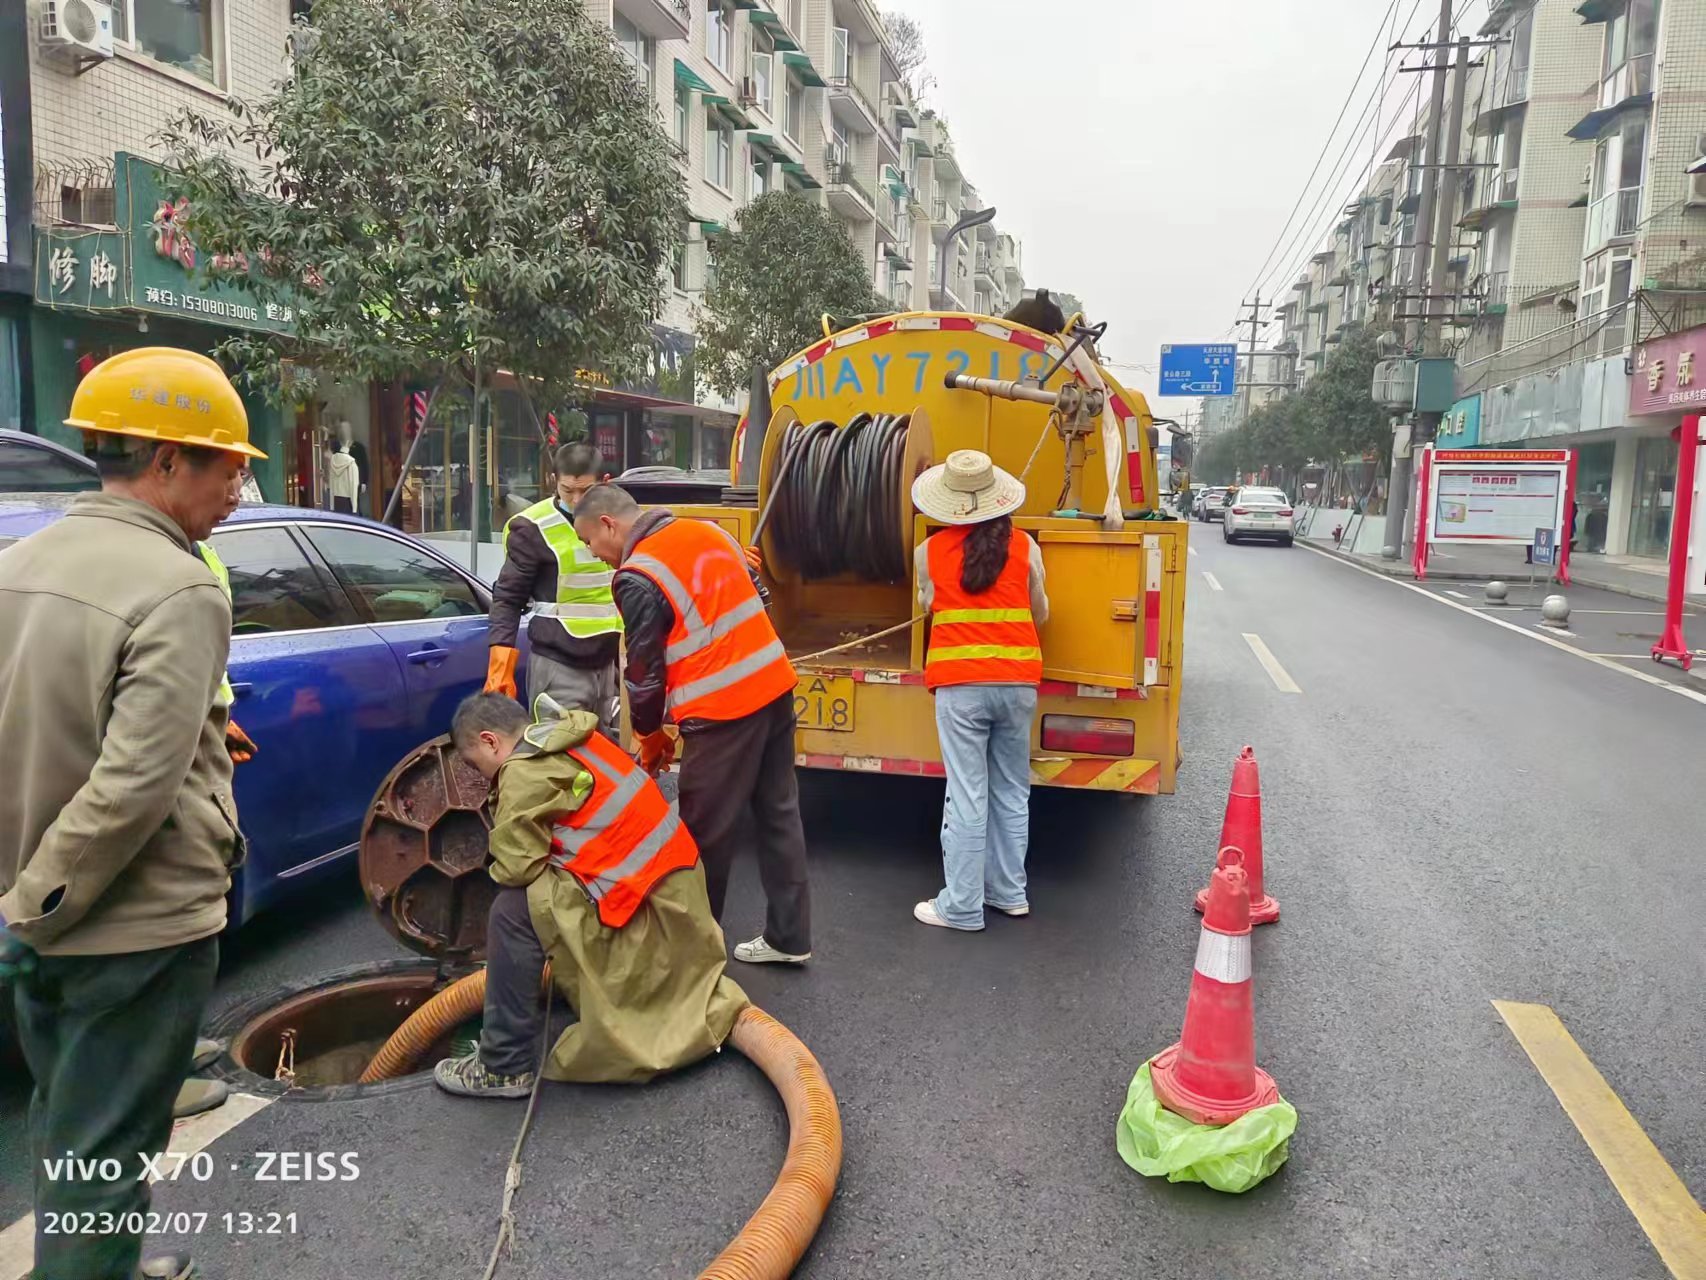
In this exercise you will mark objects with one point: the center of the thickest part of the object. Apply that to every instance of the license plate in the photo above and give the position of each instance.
(1265, 519)
(824, 702)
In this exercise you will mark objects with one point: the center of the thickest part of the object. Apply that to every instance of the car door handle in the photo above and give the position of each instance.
(432, 653)
(241, 689)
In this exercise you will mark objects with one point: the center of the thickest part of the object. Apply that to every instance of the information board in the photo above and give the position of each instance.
(1484, 504)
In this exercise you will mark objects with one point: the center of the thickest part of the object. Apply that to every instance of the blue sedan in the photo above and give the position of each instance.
(351, 645)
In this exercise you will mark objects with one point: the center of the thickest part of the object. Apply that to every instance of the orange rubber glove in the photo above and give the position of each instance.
(500, 669)
(657, 752)
(754, 558)
(239, 745)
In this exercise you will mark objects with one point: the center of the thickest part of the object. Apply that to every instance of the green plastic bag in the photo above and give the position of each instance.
(1233, 1157)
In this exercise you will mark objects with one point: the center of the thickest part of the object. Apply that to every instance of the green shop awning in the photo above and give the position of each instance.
(686, 75)
(801, 64)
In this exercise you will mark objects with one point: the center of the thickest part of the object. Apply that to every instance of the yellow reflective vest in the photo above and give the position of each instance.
(225, 697)
(584, 603)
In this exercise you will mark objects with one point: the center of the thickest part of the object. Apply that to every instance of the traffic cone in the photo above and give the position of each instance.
(1210, 1076)
(1242, 829)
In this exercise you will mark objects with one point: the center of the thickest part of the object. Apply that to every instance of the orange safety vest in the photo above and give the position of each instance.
(624, 839)
(723, 658)
(988, 638)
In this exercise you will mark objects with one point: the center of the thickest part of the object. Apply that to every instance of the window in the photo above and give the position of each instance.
(635, 47)
(841, 53)
(392, 580)
(1605, 282)
(763, 70)
(273, 585)
(793, 107)
(719, 36)
(720, 155)
(760, 182)
(178, 33)
(27, 468)
(678, 265)
(683, 114)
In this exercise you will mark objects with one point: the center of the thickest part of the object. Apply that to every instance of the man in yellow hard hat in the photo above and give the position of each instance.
(118, 838)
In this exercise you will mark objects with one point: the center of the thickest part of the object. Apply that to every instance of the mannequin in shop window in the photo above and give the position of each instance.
(345, 475)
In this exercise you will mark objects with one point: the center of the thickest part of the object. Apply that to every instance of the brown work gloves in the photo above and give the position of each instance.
(239, 745)
(657, 752)
(500, 669)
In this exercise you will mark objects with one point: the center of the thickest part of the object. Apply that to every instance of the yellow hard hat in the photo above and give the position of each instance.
(165, 394)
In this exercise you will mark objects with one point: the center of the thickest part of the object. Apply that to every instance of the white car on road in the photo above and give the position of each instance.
(1258, 513)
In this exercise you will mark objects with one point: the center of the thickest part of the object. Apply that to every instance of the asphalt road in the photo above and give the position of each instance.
(1454, 814)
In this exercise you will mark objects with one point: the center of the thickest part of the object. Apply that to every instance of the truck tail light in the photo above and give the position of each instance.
(1089, 735)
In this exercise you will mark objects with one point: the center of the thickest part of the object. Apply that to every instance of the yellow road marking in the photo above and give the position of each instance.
(1672, 1219)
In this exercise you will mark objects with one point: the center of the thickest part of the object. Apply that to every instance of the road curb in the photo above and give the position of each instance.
(1401, 569)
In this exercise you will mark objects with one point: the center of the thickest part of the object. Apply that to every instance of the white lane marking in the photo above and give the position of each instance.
(18, 1241)
(1193, 551)
(1456, 594)
(1557, 631)
(1213, 582)
(1276, 673)
(1656, 681)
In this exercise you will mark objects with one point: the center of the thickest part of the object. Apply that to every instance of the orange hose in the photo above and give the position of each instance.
(454, 1005)
(777, 1235)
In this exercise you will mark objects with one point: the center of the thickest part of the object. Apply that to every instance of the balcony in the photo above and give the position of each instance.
(659, 19)
(1632, 80)
(942, 216)
(851, 105)
(1499, 194)
(1614, 216)
(847, 195)
(986, 274)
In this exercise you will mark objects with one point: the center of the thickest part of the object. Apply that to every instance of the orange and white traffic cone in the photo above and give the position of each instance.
(1242, 829)
(1210, 1076)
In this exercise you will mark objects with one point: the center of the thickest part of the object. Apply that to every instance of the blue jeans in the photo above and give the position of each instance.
(985, 730)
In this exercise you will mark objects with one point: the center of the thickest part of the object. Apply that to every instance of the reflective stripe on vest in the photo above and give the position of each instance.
(624, 839)
(987, 638)
(723, 659)
(583, 603)
(226, 695)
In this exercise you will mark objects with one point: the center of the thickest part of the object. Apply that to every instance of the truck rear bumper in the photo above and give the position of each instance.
(1083, 773)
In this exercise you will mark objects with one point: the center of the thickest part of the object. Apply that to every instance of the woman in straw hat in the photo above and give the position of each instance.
(982, 582)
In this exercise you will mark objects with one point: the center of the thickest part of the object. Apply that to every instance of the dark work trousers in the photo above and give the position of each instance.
(733, 768)
(108, 1040)
(515, 1013)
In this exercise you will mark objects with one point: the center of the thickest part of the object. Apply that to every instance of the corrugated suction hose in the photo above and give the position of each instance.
(776, 1237)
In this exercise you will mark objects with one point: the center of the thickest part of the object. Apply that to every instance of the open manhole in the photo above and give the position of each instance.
(423, 869)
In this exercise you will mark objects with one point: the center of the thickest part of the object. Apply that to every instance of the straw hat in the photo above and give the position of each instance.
(967, 489)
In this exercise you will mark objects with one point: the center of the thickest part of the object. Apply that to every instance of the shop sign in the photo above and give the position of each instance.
(77, 268)
(169, 275)
(1460, 428)
(1667, 378)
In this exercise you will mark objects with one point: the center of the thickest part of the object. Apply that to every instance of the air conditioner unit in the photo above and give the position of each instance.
(1696, 195)
(76, 31)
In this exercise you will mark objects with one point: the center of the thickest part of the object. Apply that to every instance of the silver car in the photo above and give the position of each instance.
(1258, 513)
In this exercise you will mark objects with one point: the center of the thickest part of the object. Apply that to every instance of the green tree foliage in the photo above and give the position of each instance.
(439, 183)
(771, 283)
(1333, 418)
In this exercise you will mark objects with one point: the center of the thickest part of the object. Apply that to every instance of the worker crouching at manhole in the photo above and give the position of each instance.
(598, 873)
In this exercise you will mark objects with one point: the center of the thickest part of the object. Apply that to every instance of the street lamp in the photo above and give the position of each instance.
(966, 223)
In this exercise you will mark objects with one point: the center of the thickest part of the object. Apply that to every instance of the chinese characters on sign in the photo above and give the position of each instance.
(76, 268)
(1664, 374)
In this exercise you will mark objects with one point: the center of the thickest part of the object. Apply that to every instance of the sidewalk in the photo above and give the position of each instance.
(1625, 575)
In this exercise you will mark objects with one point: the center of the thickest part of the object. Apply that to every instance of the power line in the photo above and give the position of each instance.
(1333, 132)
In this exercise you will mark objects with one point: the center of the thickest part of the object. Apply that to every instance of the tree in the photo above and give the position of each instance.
(906, 39)
(441, 188)
(772, 281)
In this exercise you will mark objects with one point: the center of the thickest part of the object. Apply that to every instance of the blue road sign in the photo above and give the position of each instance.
(1200, 369)
(1545, 546)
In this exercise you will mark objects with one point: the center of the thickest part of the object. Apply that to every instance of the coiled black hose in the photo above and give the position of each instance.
(839, 511)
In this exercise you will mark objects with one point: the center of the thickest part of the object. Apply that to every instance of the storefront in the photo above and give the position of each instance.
(99, 291)
(15, 200)
(1664, 388)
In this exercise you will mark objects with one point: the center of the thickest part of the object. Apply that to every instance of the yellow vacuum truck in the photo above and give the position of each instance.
(854, 419)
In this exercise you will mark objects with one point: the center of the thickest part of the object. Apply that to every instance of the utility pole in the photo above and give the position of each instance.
(1257, 324)
(1398, 488)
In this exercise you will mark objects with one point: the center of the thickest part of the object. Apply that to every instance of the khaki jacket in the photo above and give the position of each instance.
(651, 996)
(117, 825)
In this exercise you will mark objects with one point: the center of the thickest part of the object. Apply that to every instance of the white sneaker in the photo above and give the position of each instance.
(758, 951)
(926, 913)
(1015, 912)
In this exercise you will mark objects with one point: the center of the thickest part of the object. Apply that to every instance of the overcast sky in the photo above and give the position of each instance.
(1197, 123)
